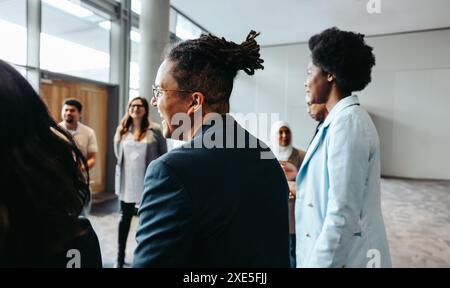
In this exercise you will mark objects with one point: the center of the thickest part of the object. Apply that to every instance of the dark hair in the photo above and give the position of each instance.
(345, 55)
(43, 189)
(74, 102)
(209, 64)
(126, 122)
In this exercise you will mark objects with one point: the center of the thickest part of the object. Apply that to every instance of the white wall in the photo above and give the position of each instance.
(279, 88)
(409, 99)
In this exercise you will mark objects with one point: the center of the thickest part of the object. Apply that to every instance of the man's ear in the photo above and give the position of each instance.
(197, 100)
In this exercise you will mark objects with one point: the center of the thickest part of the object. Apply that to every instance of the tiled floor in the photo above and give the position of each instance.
(417, 218)
(104, 219)
(416, 214)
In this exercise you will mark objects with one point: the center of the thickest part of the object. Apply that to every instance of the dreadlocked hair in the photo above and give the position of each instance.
(209, 65)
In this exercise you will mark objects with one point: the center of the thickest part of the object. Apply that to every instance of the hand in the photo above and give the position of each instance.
(292, 191)
(289, 170)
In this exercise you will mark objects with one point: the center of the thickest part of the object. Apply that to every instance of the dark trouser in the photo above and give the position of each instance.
(292, 250)
(125, 215)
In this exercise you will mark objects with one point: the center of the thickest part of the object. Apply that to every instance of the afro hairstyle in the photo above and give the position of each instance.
(345, 55)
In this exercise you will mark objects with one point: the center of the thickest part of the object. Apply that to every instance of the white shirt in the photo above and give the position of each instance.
(85, 138)
(134, 153)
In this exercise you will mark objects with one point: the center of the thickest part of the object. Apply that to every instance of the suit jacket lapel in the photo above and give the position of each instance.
(312, 148)
(341, 105)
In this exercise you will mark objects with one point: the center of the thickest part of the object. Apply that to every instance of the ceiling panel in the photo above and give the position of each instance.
(291, 21)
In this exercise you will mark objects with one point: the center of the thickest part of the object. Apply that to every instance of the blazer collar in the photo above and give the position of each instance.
(341, 105)
(313, 147)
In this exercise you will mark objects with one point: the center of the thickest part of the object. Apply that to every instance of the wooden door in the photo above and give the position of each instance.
(94, 99)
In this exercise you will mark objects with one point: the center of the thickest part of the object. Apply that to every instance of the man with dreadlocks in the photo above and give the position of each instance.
(219, 205)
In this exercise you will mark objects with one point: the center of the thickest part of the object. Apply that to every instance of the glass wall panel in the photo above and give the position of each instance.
(180, 28)
(74, 40)
(134, 63)
(186, 29)
(136, 6)
(13, 31)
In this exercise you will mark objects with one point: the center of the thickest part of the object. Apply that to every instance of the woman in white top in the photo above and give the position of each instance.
(137, 142)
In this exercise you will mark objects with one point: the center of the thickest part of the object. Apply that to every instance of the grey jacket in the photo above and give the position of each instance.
(156, 146)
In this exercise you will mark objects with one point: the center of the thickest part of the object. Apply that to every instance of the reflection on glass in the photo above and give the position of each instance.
(133, 94)
(105, 25)
(182, 27)
(134, 63)
(186, 29)
(69, 7)
(136, 6)
(74, 41)
(13, 31)
(135, 36)
(134, 75)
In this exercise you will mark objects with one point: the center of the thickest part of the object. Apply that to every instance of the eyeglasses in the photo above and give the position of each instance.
(158, 91)
(136, 106)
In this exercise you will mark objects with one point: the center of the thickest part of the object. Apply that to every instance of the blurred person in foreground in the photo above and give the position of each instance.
(43, 188)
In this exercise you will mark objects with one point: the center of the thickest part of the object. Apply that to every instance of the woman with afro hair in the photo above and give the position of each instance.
(338, 212)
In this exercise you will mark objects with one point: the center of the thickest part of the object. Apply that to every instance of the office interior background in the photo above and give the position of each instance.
(105, 52)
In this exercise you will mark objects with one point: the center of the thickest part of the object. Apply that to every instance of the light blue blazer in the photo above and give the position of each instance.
(337, 211)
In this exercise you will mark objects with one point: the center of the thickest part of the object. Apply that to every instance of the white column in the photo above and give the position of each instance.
(154, 29)
(33, 42)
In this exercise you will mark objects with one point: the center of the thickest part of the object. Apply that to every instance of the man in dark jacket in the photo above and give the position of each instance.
(220, 200)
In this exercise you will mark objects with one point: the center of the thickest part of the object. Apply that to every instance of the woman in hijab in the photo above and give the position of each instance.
(290, 160)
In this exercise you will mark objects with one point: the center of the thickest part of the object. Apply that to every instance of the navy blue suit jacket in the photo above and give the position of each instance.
(219, 207)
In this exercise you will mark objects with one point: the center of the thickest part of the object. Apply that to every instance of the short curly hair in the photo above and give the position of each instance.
(345, 55)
